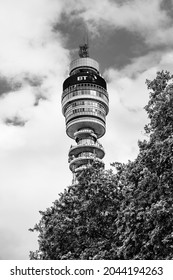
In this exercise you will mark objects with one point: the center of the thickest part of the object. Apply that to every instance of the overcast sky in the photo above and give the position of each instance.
(131, 39)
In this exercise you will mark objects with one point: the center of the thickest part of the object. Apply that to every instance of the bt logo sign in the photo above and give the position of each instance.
(80, 78)
(84, 78)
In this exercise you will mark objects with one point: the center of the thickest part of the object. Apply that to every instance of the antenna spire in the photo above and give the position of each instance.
(83, 49)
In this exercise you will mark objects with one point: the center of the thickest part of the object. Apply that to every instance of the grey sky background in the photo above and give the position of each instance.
(131, 39)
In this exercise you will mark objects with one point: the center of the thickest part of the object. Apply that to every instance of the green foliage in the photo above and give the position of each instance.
(146, 213)
(80, 224)
(126, 215)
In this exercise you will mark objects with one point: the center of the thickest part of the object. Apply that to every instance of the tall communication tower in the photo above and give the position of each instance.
(85, 104)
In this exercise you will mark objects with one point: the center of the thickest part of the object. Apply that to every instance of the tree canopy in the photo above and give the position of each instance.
(127, 214)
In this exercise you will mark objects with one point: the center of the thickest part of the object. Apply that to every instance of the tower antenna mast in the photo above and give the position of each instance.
(84, 48)
(86, 39)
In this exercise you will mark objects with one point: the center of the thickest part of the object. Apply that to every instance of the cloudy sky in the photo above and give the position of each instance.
(131, 39)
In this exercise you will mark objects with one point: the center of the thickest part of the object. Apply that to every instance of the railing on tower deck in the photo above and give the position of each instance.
(96, 144)
(73, 159)
(89, 131)
(86, 115)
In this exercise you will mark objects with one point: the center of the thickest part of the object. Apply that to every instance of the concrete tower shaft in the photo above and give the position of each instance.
(85, 104)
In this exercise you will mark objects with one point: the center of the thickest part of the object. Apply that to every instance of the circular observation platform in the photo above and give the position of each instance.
(82, 161)
(96, 124)
(84, 133)
(95, 148)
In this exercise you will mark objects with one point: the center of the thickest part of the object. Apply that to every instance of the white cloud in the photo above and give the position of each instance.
(128, 96)
(27, 43)
(33, 158)
(146, 18)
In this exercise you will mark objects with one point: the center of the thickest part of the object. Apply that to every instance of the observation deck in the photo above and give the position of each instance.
(83, 161)
(94, 148)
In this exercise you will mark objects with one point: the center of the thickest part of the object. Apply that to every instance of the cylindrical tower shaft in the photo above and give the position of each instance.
(85, 104)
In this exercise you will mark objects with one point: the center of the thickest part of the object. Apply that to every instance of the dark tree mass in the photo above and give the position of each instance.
(126, 214)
